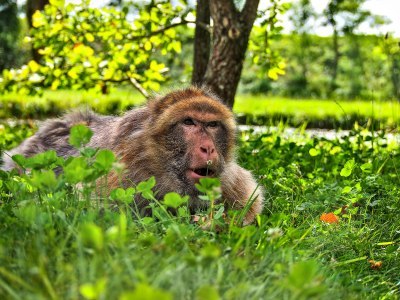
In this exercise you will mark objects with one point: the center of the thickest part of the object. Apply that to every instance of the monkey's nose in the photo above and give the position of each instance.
(207, 152)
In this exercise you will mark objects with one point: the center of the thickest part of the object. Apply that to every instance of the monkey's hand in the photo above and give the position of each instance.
(241, 191)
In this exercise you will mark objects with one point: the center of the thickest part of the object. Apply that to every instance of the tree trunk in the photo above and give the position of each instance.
(202, 41)
(31, 7)
(231, 31)
(395, 76)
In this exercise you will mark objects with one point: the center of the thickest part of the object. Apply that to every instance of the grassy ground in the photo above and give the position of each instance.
(318, 113)
(59, 242)
(317, 108)
(251, 109)
(53, 103)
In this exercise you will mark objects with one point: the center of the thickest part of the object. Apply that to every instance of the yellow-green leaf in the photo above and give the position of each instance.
(57, 3)
(147, 46)
(55, 84)
(89, 37)
(33, 66)
(38, 19)
(73, 74)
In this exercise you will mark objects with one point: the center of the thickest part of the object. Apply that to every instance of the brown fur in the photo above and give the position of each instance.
(154, 141)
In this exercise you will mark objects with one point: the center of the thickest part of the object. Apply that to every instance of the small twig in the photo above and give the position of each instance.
(158, 31)
(204, 26)
(161, 30)
(139, 87)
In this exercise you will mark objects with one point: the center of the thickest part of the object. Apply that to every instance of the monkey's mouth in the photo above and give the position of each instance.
(196, 173)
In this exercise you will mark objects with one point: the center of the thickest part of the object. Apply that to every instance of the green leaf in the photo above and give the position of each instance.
(348, 168)
(304, 280)
(93, 291)
(57, 3)
(80, 135)
(33, 66)
(92, 236)
(147, 46)
(144, 291)
(219, 212)
(146, 185)
(345, 172)
(122, 195)
(88, 291)
(38, 19)
(210, 251)
(207, 292)
(77, 170)
(44, 179)
(367, 167)
(174, 200)
(313, 152)
(43, 160)
(207, 183)
(346, 190)
(20, 160)
(105, 159)
(89, 37)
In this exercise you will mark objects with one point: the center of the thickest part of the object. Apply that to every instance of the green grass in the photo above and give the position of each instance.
(62, 242)
(298, 111)
(257, 109)
(53, 103)
(261, 105)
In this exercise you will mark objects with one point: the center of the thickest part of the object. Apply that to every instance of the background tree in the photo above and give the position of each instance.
(344, 17)
(147, 43)
(230, 36)
(83, 48)
(89, 48)
(202, 41)
(391, 51)
(31, 7)
(9, 31)
(302, 15)
(263, 63)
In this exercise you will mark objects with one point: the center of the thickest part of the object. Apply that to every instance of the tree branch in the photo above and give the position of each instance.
(161, 30)
(132, 81)
(139, 87)
(249, 12)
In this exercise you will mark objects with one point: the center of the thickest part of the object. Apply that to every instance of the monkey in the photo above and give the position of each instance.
(178, 138)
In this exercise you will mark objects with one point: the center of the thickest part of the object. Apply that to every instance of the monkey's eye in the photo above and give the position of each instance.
(188, 122)
(212, 124)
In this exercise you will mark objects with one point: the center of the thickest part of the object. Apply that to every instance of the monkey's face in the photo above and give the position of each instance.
(197, 146)
(192, 137)
(203, 154)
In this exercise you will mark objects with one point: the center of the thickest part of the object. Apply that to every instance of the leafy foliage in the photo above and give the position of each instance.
(270, 63)
(368, 68)
(88, 48)
(11, 52)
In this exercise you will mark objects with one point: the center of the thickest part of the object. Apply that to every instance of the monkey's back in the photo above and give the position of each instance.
(54, 135)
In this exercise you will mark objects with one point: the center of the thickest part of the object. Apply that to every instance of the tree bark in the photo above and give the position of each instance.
(202, 41)
(231, 32)
(31, 7)
(395, 76)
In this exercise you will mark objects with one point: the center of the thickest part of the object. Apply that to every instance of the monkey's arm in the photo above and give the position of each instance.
(239, 187)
